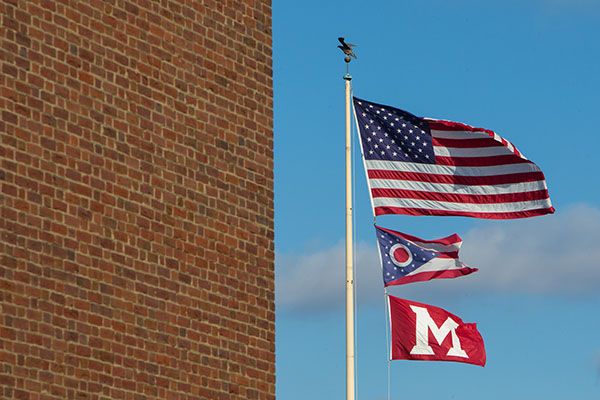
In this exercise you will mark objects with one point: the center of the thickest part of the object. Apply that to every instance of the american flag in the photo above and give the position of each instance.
(407, 258)
(423, 166)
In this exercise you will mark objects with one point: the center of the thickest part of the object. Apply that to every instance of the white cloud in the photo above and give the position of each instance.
(596, 362)
(552, 255)
(317, 280)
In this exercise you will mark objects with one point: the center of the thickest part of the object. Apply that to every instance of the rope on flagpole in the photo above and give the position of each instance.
(387, 342)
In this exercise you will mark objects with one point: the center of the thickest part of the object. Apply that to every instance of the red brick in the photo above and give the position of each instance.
(136, 173)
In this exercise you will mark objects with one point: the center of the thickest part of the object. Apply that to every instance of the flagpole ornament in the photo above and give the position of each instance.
(347, 49)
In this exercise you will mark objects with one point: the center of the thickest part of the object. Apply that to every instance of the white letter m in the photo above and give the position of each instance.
(424, 324)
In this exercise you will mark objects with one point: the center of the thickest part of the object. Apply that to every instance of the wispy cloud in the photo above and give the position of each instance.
(596, 362)
(551, 255)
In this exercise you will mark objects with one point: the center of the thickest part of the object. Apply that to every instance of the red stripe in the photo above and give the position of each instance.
(456, 179)
(480, 161)
(466, 143)
(422, 211)
(440, 125)
(462, 198)
(448, 240)
(429, 275)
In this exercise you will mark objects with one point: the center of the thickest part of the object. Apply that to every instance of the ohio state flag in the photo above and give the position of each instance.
(407, 258)
(424, 332)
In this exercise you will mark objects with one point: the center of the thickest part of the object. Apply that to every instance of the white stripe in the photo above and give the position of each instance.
(439, 264)
(460, 135)
(472, 152)
(457, 189)
(439, 247)
(505, 169)
(465, 135)
(462, 207)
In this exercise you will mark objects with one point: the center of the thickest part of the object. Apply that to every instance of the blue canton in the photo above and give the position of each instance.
(394, 269)
(390, 134)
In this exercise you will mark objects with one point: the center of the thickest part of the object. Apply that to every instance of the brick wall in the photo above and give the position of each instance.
(136, 173)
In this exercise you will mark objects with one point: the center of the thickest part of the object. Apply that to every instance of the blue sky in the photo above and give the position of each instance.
(526, 69)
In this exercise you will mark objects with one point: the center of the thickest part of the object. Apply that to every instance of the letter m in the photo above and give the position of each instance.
(425, 324)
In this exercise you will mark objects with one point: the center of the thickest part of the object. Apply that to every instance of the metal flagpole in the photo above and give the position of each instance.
(349, 261)
(350, 373)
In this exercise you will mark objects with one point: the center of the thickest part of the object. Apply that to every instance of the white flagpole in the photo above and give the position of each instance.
(350, 374)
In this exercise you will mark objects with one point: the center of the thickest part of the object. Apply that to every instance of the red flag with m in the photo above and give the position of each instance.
(424, 332)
